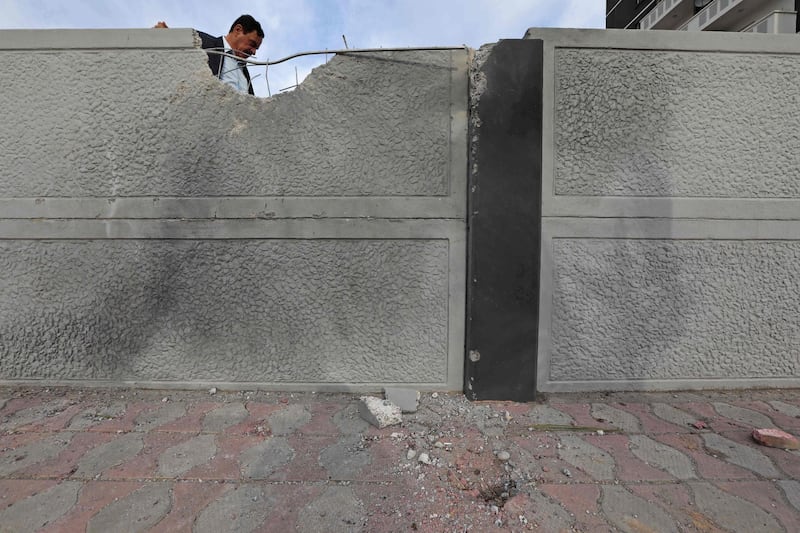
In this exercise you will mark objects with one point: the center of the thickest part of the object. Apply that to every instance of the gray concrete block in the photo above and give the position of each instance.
(406, 399)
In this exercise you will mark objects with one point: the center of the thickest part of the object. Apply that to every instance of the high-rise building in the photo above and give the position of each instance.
(759, 16)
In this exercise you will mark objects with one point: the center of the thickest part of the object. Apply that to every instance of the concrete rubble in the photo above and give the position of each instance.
(776, 438)
(380, 413)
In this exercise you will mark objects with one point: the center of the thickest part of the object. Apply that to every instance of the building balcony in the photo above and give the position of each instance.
(736, 15)
(667, 15)
(775, 22)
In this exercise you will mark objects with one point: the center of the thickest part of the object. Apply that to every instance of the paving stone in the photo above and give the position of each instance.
(336, 510)
(541, 511)
(289, 419)
(94, 496)
(730, 512)
(3, 402)
(741, 455)
(34, 414)
(633, 514)
(189, 498)
(192, 421)
(786, 408)
(166, 413)
(35, 512)
(224, 417)
(592, 460)
(345, 459)
(180, 459)
(616, 417)
(14, 490)
(673, 414)
(322, 419)
(546, 415)
(673, 498)
(707, 465)
(242, 509)
(743, 415)
(662, 456)
(35, 452)
(487, 420)
(263, 459)
(628, 466)
(349, 421)
(90, 417)
(108, 455)
(652, 424)
(138, 511)
(768, 496)
(791, 488)
(65, 463)
(126, 421)
(225, 465)
(583, 502)
(287, 504)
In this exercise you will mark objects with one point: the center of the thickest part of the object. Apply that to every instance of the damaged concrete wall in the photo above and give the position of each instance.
(158, 228)
(671, 211)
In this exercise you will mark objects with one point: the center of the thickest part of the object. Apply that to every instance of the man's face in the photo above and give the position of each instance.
(244, 44)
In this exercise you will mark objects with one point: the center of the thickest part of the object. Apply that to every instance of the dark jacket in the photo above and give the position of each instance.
(215, 60)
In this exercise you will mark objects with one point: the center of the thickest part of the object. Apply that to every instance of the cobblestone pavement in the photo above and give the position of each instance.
(110, 460)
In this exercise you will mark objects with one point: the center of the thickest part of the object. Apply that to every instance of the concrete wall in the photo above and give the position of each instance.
(671, 211)
(157, 228)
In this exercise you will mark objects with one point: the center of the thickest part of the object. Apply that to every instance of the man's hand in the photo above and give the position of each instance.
(161, 24)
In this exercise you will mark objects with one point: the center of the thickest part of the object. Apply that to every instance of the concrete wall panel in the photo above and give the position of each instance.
(158, 228)
(243, 310)
(647, 309)
(676, 124)
(122, 123)
(671, 210)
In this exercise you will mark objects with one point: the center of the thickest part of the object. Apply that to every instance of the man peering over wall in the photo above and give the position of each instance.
(243, 40)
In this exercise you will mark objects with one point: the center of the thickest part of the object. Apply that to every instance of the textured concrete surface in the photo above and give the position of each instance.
(674, 309)
(81, 460)
(676, 124)
(158, 228)
(355, 311)
(157, 123)
(670, 206)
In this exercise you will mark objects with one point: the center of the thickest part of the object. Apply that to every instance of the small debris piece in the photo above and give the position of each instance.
(776, 438)
(411, 453)
(503, 456)
(406, 399)
(601, 432)
(212, 391)
(380, 413)
(566, 472)
(424, 458)
(700, 425)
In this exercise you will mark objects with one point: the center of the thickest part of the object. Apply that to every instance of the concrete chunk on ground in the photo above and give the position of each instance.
(406, 399)
(776, 438)
(378, 412)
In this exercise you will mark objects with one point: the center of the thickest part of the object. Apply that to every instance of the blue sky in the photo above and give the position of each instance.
(300, 25)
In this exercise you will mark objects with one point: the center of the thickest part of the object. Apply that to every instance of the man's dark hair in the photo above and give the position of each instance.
(248, 24)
